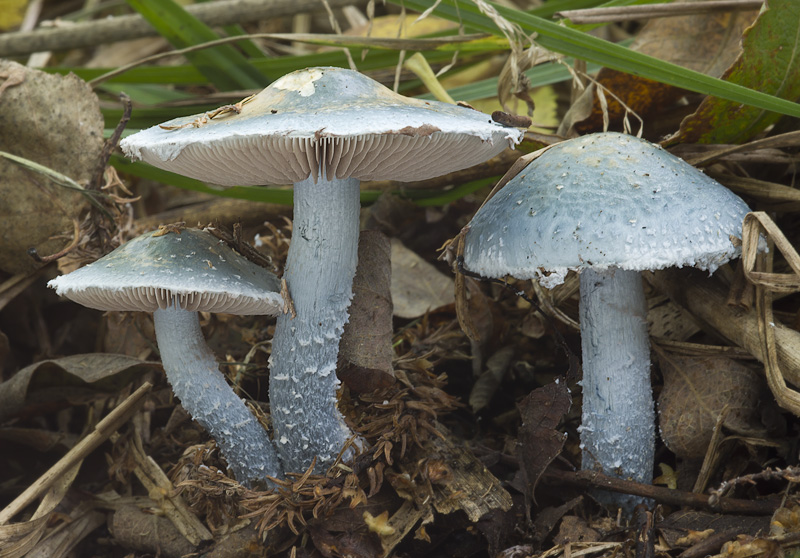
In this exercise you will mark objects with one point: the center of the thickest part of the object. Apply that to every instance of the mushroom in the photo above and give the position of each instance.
(609, 206)
(175, 276)
(324, 130)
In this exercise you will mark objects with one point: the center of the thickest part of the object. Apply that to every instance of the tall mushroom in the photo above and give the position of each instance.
(324, 130)
(608, 205)
(175, 276)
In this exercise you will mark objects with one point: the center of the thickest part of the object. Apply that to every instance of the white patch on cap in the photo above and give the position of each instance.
(302, 81)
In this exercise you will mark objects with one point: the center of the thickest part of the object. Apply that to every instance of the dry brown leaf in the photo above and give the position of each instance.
(61, 540)
(490, 379)
(533, 325)
(128, 333)
(417, 286)
(17, 539)
(539, 440)
(696, 390)
(707, 43)
(365, 350)
(56, 122)
(59, 379)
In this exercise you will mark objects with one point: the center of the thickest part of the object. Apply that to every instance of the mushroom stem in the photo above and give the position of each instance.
(194, 374)
(618, 427)
(319, 275)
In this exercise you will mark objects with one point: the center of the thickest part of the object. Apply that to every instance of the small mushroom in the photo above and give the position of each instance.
(609, 206)
(175, 276)
(324, 130)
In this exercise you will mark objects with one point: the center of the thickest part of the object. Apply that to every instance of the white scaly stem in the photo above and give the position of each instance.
(196, 380)
(618, 426)
(319, 274)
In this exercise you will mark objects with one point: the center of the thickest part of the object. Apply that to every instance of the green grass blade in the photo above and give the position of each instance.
(543, 74)
(188, 75)
(224, 66)
(146, 93)
(281, 196)
(568, 41)
(248, 47)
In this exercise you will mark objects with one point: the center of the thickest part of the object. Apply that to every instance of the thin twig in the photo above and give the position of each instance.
(662, 494)
(312, 38)
(124, 28)
(63, 252)
(111, 143)
(114, 420)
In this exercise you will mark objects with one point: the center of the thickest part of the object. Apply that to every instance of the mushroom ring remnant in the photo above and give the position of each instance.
(324, 130)
(175, 276)
(609, 206)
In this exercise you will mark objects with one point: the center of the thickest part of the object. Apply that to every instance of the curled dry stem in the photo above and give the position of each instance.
(758, 270)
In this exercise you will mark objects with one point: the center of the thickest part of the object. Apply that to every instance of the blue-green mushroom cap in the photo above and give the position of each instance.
(154, 271)
(329, 120)
(604, 200)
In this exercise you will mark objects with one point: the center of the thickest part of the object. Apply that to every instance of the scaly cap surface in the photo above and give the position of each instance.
(194, 268)
(604, 200)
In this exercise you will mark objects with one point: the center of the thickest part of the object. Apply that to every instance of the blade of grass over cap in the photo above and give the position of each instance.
(568, 41)
(224, 66)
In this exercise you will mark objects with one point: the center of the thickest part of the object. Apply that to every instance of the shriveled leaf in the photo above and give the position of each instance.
(59, 542)
(539, 440)
(533, 325)
(707, 43)
(769, 63)
(18, 539)
(128, 333)
(498, 528)
(696, 390)
(54, 121)
(417, 286)
(487, 383)
(54, 382)
(548, 517)
(365, 350)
